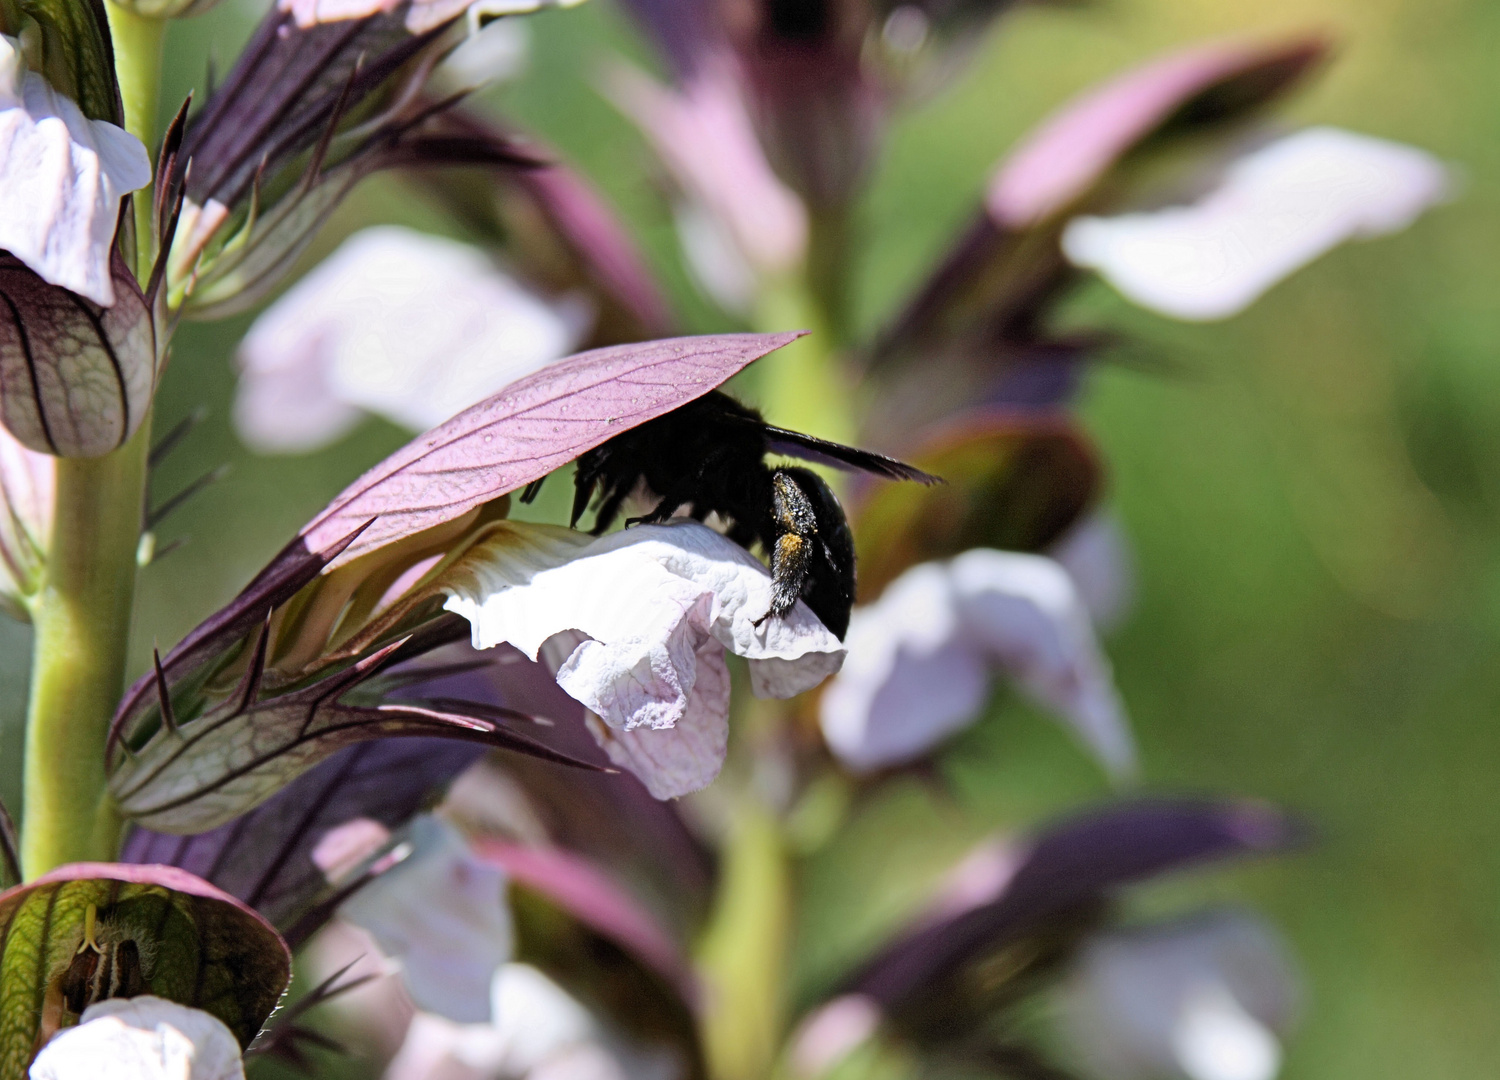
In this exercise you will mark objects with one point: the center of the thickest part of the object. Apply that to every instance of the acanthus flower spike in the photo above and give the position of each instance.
(257, 691)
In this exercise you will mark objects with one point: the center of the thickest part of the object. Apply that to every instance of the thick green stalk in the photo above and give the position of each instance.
(82, 620)
(82, 613)
(743, 953)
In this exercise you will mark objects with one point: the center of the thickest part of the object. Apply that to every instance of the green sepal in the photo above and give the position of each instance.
(195, 945)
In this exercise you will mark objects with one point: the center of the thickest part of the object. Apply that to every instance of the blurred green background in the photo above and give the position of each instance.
(1312, 492)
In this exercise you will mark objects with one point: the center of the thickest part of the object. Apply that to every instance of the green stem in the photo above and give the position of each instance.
(138, 42)
(82, 612)
(743, 953)
(82, 621)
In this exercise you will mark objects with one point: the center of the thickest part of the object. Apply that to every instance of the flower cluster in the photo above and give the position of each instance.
(489, 776)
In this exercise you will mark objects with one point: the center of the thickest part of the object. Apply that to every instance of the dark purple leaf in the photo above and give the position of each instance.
(264, 857)
(991, 292)
(284, 90)
(164, 931)
(1177, 94)
(533, 426)
(1070, 867)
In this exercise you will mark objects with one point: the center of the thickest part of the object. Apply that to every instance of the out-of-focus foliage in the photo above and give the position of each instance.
(1312, 491)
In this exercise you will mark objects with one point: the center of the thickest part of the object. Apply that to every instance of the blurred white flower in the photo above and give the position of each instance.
(920, 660)
(442, 914)
(1202, 998)
(141, 1038)
(1277, 209)
(647, 614)
(539, 1031)
(737, 221)
(411, 327)
(62, 177)
(1097, 556)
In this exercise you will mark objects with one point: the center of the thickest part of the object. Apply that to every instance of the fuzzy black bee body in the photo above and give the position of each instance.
(709, 457)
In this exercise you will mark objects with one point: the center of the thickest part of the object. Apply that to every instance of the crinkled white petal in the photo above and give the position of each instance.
(919, 660)
(411, 327)
(648, 599)
(678, 760)
(1277, 209)
(909, 681)
(62, 177)
(141, 1038)
(1202, 998)
(442, 914)
(1025, 611)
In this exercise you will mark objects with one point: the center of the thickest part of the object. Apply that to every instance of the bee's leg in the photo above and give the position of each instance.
(586, 478)
(664, 509)
(530, 492)
(610, 507)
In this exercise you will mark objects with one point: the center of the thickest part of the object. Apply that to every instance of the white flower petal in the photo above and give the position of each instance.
(62, 177)
(686, 757)
(919, 659)
(411, 327)
(1277, 209)
(1216, 1039)
(535, 1020)
(442, 914)
(1202, 998)
(492, 53)
(1097, 556)
(909, 681)
(1026, 612)
(141, 1038)
(648, 598)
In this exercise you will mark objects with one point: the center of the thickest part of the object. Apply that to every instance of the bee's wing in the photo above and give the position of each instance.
(838, 456)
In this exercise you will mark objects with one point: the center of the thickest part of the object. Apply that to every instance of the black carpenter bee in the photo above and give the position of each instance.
(709, 456)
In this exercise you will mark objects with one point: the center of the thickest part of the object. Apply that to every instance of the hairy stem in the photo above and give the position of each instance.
(82, 613)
